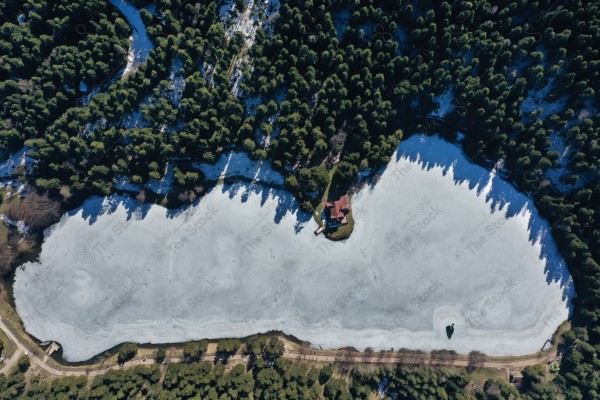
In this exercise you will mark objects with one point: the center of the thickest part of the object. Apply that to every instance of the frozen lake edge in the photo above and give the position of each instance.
(463, 247)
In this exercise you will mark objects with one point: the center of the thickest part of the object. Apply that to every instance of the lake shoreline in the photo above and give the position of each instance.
(383, 332)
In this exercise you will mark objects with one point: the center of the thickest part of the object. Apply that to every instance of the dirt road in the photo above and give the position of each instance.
(308, 355)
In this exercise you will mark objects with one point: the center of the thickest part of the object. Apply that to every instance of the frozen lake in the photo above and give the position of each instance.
(437, 241)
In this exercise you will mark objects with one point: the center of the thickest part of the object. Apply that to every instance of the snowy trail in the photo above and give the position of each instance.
(247, 23)
(140, 43)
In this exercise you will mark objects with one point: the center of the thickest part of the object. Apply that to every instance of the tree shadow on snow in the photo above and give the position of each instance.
(241, 175)
(97, 206)
(285, 201)
(434, 152)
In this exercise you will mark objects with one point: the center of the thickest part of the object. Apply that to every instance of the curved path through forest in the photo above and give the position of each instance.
(308, 355)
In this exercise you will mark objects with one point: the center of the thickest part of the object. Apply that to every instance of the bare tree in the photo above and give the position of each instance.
(38, 211)
(8, 256)
(415, 357)
(402, 355)
(476, 360)
(442, 357)
(141, 196)
(368, 353)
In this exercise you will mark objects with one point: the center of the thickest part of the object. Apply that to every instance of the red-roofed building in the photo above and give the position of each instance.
(337, 211)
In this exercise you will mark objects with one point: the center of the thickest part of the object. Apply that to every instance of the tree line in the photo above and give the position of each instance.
(266, 376)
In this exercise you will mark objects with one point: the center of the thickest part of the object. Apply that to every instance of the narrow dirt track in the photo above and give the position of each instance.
(360, 358)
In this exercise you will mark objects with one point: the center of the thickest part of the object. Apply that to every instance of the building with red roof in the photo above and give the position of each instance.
(337, 211)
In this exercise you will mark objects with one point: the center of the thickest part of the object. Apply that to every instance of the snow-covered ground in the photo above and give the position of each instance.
(341, 20)
(437, 241)
(177, 82)
(271, 12)
(555, 174)
(14, 188)
(18, 159)
(237, 164)
(122, 183)
(141, 44)
(536, 100)
(559, 143)
(229, 165)
(402, 38)
(246, 23)
(446, 103)
(162, 186)
(135, 119)
(22, 228)
(208, 72)
(252, 104)
(226, 11)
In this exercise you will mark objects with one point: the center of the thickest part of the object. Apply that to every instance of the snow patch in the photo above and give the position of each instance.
(122, 183)
(271, 12)
(177, 82)
(238, 164)
(141, 44)
(363, 175)
(162, 186)
(18, 159)
(136, 118)
(158, 186)
(22, 228)
(252, 103)
(341, 19)
(537, 100)
(445, 102)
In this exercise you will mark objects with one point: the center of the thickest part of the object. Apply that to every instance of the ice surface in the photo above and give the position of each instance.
(437, 241)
